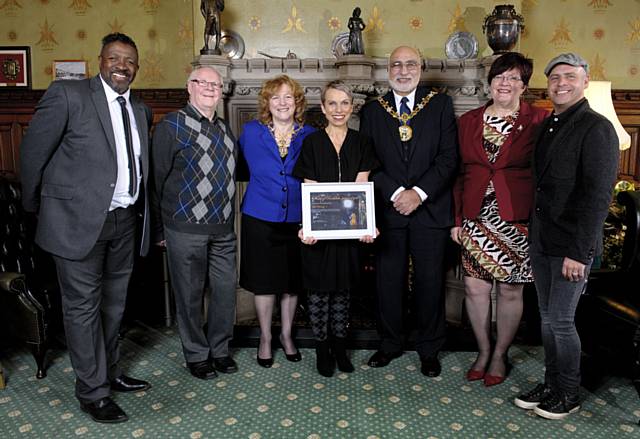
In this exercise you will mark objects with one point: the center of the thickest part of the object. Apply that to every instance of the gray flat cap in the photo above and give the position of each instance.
(571, 59)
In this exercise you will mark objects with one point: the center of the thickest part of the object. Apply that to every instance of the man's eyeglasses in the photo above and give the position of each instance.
(411, 66)
(509, 79)
(206, 84)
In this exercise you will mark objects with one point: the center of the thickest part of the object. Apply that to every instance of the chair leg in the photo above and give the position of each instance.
(39, 353)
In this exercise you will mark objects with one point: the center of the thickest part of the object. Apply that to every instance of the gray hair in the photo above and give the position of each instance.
(336, 85)
(196, 68)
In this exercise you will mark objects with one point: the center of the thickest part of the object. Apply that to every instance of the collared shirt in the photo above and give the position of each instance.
(121, 197)
(552, 126)
(411, 98)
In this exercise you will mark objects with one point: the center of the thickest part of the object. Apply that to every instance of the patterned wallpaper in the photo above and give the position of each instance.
(169, 32)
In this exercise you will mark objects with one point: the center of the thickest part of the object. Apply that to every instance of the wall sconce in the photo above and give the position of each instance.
(599, 95)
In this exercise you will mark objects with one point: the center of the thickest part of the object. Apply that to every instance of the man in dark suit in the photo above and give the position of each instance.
(84, 164)
(414, 133)
(575, 167)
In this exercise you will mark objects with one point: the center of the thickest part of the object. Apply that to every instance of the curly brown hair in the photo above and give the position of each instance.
(270, 87)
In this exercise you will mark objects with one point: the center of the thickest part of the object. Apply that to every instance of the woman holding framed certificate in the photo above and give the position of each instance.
(330, 267)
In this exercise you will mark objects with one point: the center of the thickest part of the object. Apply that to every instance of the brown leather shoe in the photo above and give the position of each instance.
(104, 410)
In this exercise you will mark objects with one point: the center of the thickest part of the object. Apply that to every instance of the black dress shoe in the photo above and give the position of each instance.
(265, 362)
(203, 370)
(225, 365)
(127, 384)
(104, 410)
(294, 358)
(430, 366)
(382, 358)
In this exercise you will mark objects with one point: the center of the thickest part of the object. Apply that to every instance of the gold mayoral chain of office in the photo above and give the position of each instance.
(283, 140)
(405, 130)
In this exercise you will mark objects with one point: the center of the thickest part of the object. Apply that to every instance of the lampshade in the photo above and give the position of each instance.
(599, 95)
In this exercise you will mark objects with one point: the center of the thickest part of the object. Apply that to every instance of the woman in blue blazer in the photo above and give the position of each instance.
(271, 213)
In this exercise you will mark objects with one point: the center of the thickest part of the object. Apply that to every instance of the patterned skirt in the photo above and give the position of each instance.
(493, 248)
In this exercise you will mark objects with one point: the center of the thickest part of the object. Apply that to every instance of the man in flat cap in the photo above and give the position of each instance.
(575, 167)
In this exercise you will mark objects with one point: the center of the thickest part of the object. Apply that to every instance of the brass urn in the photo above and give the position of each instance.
(502, 28)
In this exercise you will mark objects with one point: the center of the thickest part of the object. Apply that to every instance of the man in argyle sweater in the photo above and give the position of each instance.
(194, 157)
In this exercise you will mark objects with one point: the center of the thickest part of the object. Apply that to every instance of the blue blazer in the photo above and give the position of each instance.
(273, 193)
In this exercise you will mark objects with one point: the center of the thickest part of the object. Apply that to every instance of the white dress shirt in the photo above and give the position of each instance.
(411, 99)
(121, 197)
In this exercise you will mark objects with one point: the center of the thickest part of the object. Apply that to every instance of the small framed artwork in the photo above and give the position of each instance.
(69, 69)
(338, 210)
(15, 66)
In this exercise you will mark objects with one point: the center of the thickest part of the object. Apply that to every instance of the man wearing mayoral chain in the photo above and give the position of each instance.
(415, 139)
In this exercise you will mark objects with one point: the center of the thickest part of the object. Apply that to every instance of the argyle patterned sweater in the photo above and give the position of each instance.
(194, 163)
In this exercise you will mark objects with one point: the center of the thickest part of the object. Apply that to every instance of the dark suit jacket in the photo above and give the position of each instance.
(433, 157)
(574, 181)
(69, 168)
(511, 172)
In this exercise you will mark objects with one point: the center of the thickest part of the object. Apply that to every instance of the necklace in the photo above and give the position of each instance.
(405, 130)
(283, 140)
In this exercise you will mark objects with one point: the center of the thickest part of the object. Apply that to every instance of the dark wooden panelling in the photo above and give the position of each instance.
(17, 108)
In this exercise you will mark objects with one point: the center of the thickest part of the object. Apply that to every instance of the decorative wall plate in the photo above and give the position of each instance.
(231, 44)
(461, 45)
(340, 44)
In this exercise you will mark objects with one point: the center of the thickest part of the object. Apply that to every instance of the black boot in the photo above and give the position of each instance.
(325, 363)
(340, 352)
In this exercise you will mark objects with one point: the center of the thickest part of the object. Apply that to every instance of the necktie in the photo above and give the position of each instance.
(131, 158)
(404, 109)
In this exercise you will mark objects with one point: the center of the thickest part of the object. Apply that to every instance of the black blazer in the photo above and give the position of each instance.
(432, 164)
(69, 168)
(574, 179)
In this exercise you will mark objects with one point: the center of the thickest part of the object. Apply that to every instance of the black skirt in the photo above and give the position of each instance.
(270, 257)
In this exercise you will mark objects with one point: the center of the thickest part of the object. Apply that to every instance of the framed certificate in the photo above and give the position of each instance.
(338, 210)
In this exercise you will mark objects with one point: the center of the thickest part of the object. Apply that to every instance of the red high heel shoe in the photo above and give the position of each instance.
(494, 380)
(475, 375)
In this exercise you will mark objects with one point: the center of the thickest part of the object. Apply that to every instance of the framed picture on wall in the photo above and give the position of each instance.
(69, 69)
(338, 210)
(15, 66)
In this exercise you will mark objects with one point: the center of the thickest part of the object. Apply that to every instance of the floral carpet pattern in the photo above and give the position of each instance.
(291, 400)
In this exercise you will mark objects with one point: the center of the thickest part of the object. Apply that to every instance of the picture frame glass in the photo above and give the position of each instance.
(69, 69)
(338, 210)
(15, 66)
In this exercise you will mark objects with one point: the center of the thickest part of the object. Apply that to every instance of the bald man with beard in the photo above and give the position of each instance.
(414, 134)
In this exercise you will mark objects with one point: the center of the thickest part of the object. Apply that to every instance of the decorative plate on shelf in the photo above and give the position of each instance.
(461, 45)
(340, 44)
(231, 44)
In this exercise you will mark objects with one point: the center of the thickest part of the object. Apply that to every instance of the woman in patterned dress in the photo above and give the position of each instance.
(493, 195)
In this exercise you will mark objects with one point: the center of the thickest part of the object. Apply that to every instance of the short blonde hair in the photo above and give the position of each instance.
(270, 87)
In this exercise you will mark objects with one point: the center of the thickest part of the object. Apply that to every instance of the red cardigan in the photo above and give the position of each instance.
(511, 173)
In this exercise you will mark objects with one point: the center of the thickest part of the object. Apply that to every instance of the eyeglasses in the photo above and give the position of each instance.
(509, 79)
(411, 66)
(206, 84)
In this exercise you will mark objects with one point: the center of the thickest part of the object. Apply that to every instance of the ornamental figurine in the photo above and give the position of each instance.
(211, 10)
(355, 46)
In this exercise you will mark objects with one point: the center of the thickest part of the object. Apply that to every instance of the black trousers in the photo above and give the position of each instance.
(94, 292)
(427, 249)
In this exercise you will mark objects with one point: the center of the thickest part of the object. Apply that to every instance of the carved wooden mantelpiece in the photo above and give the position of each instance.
(463, 80)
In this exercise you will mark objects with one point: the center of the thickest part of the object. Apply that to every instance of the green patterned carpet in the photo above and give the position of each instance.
(292, 401)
